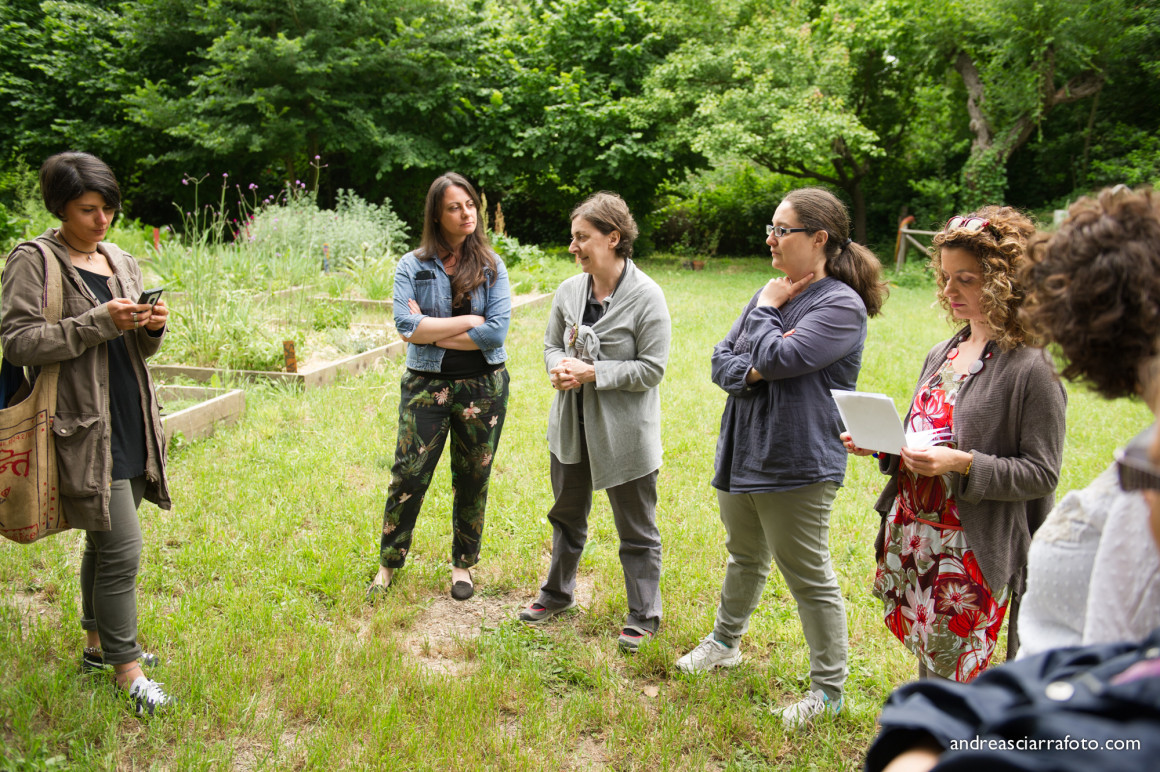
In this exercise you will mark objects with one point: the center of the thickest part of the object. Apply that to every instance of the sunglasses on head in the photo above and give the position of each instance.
(968, 224)
(1136, 471)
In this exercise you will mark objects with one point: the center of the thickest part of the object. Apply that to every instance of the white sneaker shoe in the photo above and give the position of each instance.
(805, 710)
(147, 696)
(710, 653)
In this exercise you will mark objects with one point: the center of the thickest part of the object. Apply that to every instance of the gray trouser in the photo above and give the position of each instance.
(634, 506)
(793, 529)
(109, 575)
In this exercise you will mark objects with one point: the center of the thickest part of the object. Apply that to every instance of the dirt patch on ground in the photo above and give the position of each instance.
(588, 755)
(33, 604)
(251, 755)
(442, 637)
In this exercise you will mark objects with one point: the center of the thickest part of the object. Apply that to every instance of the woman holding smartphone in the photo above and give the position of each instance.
(109, 442)
(452, 305)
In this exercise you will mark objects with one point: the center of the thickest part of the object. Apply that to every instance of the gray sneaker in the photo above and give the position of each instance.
(710, 653)
(805, 710)
(538, 612)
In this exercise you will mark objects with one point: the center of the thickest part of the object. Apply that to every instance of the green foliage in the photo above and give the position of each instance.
(542, 102)
(332, 315)
(353, 235)
(723, 211)
(1132, 157)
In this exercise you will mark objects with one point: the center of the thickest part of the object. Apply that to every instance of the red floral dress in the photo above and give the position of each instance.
(937, 601)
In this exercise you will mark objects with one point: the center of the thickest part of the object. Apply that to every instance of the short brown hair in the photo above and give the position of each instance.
(1000, 248)
(68, 176)
(608, 212)
(1093, 288)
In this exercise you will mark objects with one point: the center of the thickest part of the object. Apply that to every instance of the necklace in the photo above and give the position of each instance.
(88, 255)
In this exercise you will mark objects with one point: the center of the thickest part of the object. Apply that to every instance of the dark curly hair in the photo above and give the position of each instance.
(1093, 289)
(1000, 249)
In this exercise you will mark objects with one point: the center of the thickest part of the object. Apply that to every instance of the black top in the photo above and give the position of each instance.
(458, 365)
(125, 412)
(593, 312)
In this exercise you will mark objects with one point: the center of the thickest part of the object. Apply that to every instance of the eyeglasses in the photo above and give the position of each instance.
(968, 224)
(1136, 472)
(782, 232)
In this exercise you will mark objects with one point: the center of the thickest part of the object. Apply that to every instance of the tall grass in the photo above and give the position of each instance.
(252, 592)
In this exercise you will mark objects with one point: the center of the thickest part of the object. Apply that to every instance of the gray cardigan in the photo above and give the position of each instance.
(1010, 417)
(622, 408)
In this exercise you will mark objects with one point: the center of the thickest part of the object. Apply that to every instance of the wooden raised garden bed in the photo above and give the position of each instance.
(322, 374)
(211, 407)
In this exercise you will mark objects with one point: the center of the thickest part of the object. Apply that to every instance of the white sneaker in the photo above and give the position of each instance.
(805, 710)
(147, 696)
(710, 653)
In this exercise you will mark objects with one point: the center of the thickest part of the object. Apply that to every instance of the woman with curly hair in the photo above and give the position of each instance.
(957, 516)
(1093, 289)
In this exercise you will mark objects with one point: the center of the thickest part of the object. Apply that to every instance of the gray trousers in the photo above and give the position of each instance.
(109, 575)
(791, 528)
(634, 506)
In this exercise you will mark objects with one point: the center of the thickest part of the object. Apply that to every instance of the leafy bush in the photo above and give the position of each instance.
(722, 211)
(527, 264)
(332, 315)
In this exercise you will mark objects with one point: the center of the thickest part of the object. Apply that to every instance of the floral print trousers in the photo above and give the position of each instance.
(473, 410)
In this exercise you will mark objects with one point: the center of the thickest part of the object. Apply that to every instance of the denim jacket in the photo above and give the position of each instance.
(428, 284)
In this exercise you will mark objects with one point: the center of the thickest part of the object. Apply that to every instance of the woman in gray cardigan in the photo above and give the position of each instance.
(605, 350)
(958, 515)
(779, 461)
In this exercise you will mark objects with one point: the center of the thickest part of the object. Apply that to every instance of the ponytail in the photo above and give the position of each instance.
(854, 264)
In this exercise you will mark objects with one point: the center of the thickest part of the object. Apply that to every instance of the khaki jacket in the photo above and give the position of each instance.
(82, 424)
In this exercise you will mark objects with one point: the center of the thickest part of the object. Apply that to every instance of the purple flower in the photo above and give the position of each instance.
(185, 180)
(225, 174)
(317, 157)
(253, 186)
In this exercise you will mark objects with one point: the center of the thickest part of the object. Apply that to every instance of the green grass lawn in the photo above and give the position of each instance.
(252, 591)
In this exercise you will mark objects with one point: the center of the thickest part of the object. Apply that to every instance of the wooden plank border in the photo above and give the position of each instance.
(219, 406)
(322, 376)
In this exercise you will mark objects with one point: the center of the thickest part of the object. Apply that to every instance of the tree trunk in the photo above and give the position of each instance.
(985, 173)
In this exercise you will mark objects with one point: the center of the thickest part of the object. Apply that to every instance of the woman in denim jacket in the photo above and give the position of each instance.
(453, 305)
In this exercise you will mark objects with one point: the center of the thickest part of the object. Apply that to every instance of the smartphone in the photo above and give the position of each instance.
(150, 297)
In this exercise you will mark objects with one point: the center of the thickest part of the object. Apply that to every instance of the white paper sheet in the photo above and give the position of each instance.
(873, 423)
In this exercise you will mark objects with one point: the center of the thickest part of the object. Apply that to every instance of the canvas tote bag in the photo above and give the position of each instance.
(29, 502)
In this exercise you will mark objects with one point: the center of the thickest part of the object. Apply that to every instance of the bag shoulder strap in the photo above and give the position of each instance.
(50, 300)
(50, 303)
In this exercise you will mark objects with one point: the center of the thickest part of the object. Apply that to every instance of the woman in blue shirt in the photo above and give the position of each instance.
(779, 460)
(452, 305)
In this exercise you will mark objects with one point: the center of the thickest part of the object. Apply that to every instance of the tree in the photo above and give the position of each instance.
(1018, 60)
(814, 93)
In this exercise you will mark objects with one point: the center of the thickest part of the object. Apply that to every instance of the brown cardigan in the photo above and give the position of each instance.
(1010, 417)
(82, 428)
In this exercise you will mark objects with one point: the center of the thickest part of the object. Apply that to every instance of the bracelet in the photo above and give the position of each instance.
(969, 465)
